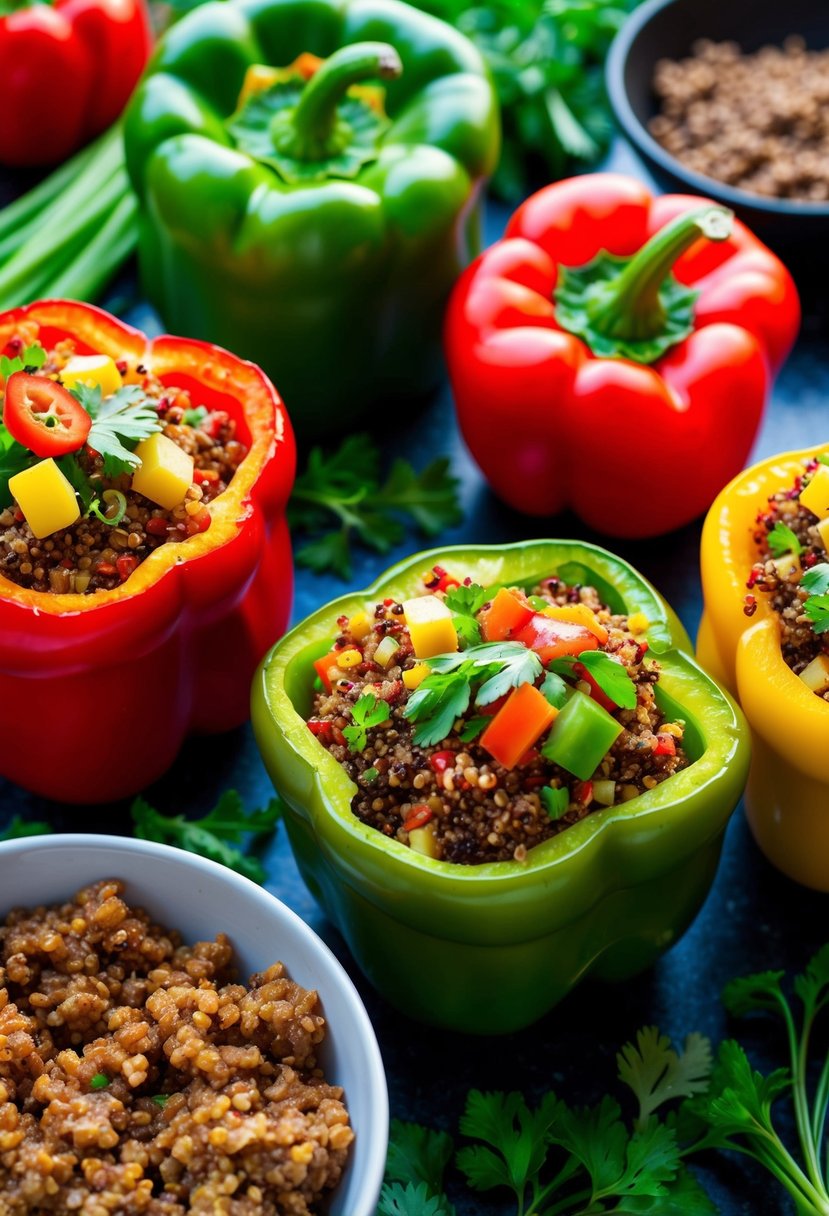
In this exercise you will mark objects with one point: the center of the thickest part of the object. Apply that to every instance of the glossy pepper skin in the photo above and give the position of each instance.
(66, 71)
(634, 449)
(335, 287)
(97, 692)
(787, 799)
(490, 948)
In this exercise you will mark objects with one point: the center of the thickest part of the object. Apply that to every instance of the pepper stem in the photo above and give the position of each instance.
(312, 131)
(630, 306)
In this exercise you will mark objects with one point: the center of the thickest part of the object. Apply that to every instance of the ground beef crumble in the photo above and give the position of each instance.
(481, 811)
(779, 578)
(137, 1076)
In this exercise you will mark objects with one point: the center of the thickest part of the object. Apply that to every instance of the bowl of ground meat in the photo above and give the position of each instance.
(174, 1039)
(503, 772)
(144, 549)
(732, 105)
(765, 635)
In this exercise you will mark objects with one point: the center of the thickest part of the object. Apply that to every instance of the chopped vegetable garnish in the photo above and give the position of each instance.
(556, 801)
(466, 602)
(367, 713)
(611, 676)
(99, 1081)
(781, 540)
(19, 827)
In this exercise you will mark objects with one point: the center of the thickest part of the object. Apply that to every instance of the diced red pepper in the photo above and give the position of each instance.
(203, 477)
(665, 744)
(418, 817)
(320, 728)
(552, 639)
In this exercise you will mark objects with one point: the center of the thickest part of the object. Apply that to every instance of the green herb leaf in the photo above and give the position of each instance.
(215, 834)
(99, 1081)
(161, 1099)
(611, 676)
(436, 704)
(816, 580)
(556, 801)
(72, 470)
(412, 1200)
(782, 540)
(119, 422)
(194, 417)
(33, 356)
(14, 458)
(18, 828)
(658, 1074)
(554, 689)
(466, 603)
(524, 668)
(514, 1140)
(340, 495)
(816, 608)
(417, 1154)
(366, 713)
(473, 727)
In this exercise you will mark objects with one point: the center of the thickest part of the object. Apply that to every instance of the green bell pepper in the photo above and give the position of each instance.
(490, 948)
(305, 229)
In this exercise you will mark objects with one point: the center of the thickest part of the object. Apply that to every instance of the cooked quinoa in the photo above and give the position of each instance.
(138, 1076)
(481, 811)
(779, 579)
(92, 555)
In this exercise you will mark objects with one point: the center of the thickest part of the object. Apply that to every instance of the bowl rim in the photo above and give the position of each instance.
(372, 1146)
(641, 138)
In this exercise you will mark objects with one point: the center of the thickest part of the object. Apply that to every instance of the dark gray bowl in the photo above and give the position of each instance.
(666, 29)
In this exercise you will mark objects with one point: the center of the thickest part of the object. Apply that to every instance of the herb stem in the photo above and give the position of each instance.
(571, 1166)
(799, 1055)
(821, 1103)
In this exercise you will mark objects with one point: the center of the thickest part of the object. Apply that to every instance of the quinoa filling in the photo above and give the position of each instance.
(117, 526)
(138, 1076)
(465, 796)
(791, 571)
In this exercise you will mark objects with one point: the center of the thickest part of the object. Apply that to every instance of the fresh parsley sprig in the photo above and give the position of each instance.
(816, 607)
(782, 540)
(367, 712)
(220, 835)
(31, 360)
(18, 827)
(341, 497)
(444, 696)
(465, 603)
(611, 676)
(119, 422)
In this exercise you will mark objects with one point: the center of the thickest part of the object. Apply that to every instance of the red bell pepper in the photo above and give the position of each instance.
(66, 71)
(98, 691)
(586, 375)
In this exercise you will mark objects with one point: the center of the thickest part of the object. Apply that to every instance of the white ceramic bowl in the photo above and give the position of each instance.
(201, 899)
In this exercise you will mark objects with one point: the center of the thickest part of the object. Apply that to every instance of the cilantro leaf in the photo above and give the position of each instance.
(523, 668)
(341, 495)
(436, 704)
(749, 993)
(554, 689)
(611, 676)
(18, 827)
(473, 727)
(619, 1163)
(32, 359)
(417, 1154)
(816, 608)
(658, 1074)
(514, 1140)
(215, 834)
(14, 458)
(782, 540)
(412, 1200)
(812, 986)
(119, 422)
(195, 417)
(556, 801)
(77, 478)
(366, 713)
(465, 603)
(816, 580)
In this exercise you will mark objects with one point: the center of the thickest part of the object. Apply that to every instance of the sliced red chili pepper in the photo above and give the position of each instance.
(418, 816)
(583, 793)
(44, 416)
(665, 745)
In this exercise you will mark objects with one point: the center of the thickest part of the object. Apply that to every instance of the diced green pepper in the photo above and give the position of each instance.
(581, 736)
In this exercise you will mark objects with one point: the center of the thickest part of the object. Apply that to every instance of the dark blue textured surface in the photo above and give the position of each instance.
(753, 918)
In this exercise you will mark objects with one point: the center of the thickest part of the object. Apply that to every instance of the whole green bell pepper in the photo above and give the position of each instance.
(490, 948)
(305, 228)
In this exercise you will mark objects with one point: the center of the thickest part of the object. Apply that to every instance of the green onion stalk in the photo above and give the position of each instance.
(68, 236)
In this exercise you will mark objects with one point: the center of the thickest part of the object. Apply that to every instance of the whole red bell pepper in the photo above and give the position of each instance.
(588, 375)
(98, 691)
(66, 71)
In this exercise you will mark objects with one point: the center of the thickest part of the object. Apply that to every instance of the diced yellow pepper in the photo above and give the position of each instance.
(166, 471)
(823, 533)
(815, 497)
(92, 370)
(577, 614)
(816, 674)
(431, 626)
(638, 623)
(787, 565)
(360, 625)
(413, 677)
(349, 658)
(46, 498)
(423, 840)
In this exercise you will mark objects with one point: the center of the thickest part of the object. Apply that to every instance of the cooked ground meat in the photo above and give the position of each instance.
(758, 121)
(136, 1075)
(95, 556)
(481, 811)
(780, 578)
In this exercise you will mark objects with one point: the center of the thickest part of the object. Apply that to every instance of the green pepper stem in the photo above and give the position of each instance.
(630, 307)
(312, 132)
